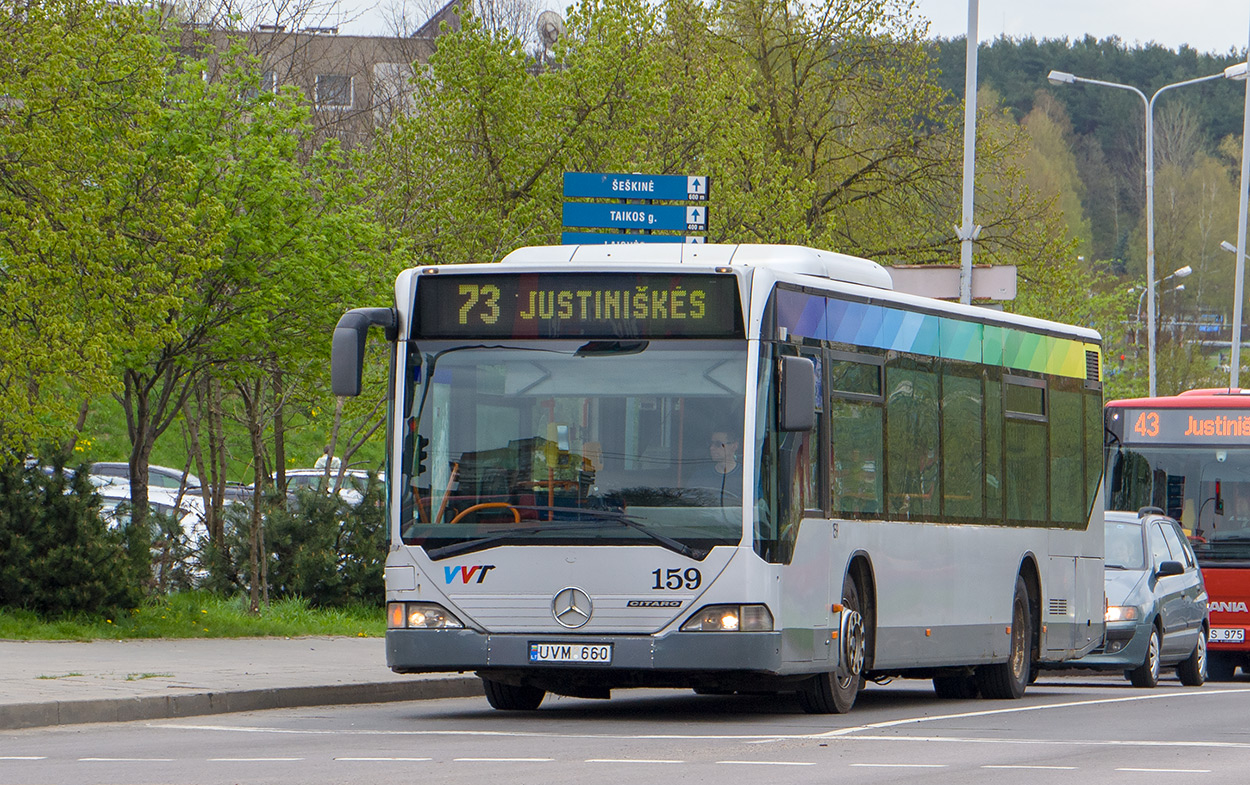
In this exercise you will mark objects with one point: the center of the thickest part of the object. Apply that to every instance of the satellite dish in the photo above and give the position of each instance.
(550, 27)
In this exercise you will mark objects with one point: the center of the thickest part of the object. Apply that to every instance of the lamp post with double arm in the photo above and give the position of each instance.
(1237, 71)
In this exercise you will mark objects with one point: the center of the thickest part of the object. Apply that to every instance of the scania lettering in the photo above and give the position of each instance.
(729, 468)
(1189, 455)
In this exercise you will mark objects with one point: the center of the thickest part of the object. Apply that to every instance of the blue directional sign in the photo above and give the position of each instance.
(665, 187)
(657, 217)
(620, 238)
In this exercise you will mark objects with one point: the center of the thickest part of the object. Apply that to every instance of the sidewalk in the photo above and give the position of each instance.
(65, 682)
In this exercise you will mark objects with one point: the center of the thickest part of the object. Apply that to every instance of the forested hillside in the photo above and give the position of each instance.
(1088, 141)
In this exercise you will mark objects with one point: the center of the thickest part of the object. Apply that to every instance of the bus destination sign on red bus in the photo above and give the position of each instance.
(1185, 426)
(568, 305)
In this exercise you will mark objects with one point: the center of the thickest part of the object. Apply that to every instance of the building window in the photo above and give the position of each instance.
(392, 90)
(334, 91)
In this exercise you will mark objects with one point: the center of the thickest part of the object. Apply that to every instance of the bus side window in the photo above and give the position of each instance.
(855, 435)
(912, 415)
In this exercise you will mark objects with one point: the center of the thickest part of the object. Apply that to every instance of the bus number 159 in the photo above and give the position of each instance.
(674, 579)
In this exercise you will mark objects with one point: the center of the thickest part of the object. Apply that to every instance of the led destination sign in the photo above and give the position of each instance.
(570, 305)
(1186, 426)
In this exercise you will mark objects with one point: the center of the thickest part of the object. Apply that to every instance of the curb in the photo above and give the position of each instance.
(163, 707)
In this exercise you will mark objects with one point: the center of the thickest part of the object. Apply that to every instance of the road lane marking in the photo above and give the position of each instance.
(503, 760)
(772, 737)
(1163, 743)
(854, 732)
(253, 760)
(125, 760)
(1169, 771)
(1022, 709)
(1022, 766)
(899, 765)
(765, 763)
(23, 757)
(406, 760)
(630, 760)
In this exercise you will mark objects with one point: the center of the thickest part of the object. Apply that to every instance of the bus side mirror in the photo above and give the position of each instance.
(797, 394)
(347, 352)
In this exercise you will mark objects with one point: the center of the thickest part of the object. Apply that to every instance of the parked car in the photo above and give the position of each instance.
(164, 501)
(174, 552)
(352, 491)
(1156, 601)
(118, 473)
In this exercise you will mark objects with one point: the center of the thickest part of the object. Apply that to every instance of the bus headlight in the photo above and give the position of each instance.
(1121, 613)
(730, 618)
(420, 615)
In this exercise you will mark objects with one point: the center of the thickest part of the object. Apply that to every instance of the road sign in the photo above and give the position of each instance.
(665, 187)
(657, 217)
(620, 238)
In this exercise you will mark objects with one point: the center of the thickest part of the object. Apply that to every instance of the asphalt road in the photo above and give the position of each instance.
(1091, 728)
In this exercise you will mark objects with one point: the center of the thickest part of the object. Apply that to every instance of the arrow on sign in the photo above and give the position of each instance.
(696, 218)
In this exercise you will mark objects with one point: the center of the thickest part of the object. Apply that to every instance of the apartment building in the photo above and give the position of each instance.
(354, 84)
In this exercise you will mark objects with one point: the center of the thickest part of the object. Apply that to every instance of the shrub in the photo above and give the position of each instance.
(319, 548)
(56, 554)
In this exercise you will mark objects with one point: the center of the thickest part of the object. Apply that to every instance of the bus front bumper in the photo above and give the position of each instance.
(431, 651)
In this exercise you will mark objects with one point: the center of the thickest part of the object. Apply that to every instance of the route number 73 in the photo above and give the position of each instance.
(487, 295)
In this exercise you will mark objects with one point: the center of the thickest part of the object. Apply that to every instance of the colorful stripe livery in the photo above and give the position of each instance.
(881, 327)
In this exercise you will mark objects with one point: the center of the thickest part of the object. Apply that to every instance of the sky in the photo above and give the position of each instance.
(1214, 26)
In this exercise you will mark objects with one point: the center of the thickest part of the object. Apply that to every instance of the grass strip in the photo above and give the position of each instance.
(197, 615)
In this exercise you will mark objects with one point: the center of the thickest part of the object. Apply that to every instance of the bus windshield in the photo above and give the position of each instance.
(1205, 488)
(612, 442)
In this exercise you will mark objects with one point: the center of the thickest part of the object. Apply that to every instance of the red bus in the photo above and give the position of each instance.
(1189, 455)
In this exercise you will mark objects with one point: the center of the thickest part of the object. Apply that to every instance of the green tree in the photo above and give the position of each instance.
(86, 231)
(1051, 166)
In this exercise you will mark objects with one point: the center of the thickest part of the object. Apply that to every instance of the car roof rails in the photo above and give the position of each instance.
(1144, 511)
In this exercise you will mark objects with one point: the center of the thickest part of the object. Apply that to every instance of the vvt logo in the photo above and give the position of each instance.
(466, 573)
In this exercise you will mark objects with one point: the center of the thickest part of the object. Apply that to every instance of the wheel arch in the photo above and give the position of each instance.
(859, 568)
(1032, 576)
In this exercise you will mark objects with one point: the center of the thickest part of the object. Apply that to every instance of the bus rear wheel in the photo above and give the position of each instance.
(834, 693)
(1220, 667)
(509, 697)
(1007, 680)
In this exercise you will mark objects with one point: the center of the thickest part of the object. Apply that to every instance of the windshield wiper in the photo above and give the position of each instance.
(698, 554)
(483, 542)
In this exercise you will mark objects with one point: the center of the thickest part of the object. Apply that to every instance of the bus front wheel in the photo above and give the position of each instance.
(834, 693)
(509, 697)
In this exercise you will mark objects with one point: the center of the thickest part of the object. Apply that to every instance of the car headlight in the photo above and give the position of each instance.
(1121, 613)
(420, 616)
(730, 618)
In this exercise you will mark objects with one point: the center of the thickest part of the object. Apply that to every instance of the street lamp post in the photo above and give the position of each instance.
(1234, 343)
(1237, 71)
(1181, 273)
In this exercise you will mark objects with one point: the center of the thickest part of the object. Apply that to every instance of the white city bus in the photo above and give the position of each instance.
(730, 468)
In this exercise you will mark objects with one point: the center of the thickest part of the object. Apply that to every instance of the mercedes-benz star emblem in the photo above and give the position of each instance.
(571, 607)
